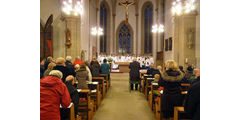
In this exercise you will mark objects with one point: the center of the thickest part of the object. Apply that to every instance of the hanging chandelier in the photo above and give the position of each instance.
(185, 7)
(74, 7)
(97, 31)
(157, 28)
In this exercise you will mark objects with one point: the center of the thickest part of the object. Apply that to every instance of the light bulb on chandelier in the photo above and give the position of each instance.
(97, 31)
(158, 28)
(72, 7)
(179, 7)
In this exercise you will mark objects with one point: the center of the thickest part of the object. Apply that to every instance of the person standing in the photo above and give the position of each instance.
(82, 77)
(105, 68)
(60, 65)
(70, 66)
(49, 60)
(134, 73)
(95, 68)
(172, 96)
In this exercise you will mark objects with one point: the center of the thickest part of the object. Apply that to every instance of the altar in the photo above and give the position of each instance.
(123, 67)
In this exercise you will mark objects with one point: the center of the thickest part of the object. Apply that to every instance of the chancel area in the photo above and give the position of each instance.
(120, 59)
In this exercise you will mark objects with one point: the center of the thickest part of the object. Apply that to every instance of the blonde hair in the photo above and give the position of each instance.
(60, 60)
(171, 64)
(69, 58)
(56, 73)
(77, 67)
(49, 59)
(51, 66)
(159, 67)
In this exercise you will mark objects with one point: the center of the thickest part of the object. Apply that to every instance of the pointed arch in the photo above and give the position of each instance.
(147, 22)
(124, 38)
(105, 24)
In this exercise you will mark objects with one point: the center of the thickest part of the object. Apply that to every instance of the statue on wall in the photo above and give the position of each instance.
(83, 55)
(68, 38)
(190, 38)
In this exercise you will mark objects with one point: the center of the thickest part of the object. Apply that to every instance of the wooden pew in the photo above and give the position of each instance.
(143, 82)
(154, 86)
(95, 92)
(71, 111)
(158, 113)
(185, 86)
(176, 111)
(148, 86)
(85, 106)
(100, 80)
(180, 114)
(106, 81)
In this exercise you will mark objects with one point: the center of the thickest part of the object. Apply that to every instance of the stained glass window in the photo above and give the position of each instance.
(103, 24)
(124, 40)
(148, 20)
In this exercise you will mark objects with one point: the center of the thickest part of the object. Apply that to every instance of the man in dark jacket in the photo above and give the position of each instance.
(153, 71)
(192, 102)
(74, 95)
(61, 67)
(70, 66)
(134, 73)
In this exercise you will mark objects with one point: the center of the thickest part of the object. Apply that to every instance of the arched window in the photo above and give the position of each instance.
(103, 24)
(148, 21)
(124, 40)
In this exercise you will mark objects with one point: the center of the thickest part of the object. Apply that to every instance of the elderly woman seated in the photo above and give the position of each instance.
(53, 92)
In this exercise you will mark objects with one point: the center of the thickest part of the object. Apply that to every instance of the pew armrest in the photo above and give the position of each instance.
(176, 111)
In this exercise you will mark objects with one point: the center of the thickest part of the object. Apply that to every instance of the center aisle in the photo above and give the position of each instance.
(120, 104)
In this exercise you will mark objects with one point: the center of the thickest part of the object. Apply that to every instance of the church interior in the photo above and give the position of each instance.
(101, 49)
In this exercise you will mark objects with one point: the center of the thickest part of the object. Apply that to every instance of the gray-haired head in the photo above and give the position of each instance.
(56, 73)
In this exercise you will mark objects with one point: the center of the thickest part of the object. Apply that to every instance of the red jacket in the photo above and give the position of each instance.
(53, 92)
(78, 62)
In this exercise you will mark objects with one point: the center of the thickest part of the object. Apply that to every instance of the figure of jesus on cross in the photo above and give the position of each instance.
(126, 4)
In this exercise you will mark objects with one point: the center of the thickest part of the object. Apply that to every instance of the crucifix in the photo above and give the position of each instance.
(126, 4)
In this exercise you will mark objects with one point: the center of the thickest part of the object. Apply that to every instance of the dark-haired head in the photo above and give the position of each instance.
(105, 61)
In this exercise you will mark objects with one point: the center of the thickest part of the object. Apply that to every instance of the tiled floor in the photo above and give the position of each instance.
(120, 104)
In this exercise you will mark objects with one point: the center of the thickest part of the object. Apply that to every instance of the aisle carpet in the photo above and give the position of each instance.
(120, 104)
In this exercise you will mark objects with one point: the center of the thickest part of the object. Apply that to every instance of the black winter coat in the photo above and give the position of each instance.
(71, 68)
(64, 71)
(95, 69)
(192, 101)
(74, 96)
(46, 65)
(153, 72)
(172, 92)
(42, 69)
(134, 71)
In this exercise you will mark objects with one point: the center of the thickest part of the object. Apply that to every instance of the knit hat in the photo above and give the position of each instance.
(56, 73)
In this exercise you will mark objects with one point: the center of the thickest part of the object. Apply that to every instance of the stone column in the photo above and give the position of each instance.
(114, 33)
(98, 24)
(73, 24)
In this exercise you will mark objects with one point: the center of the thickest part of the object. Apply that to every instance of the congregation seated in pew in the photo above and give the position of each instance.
(73, 94)
(192, 101)
(53, 93)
